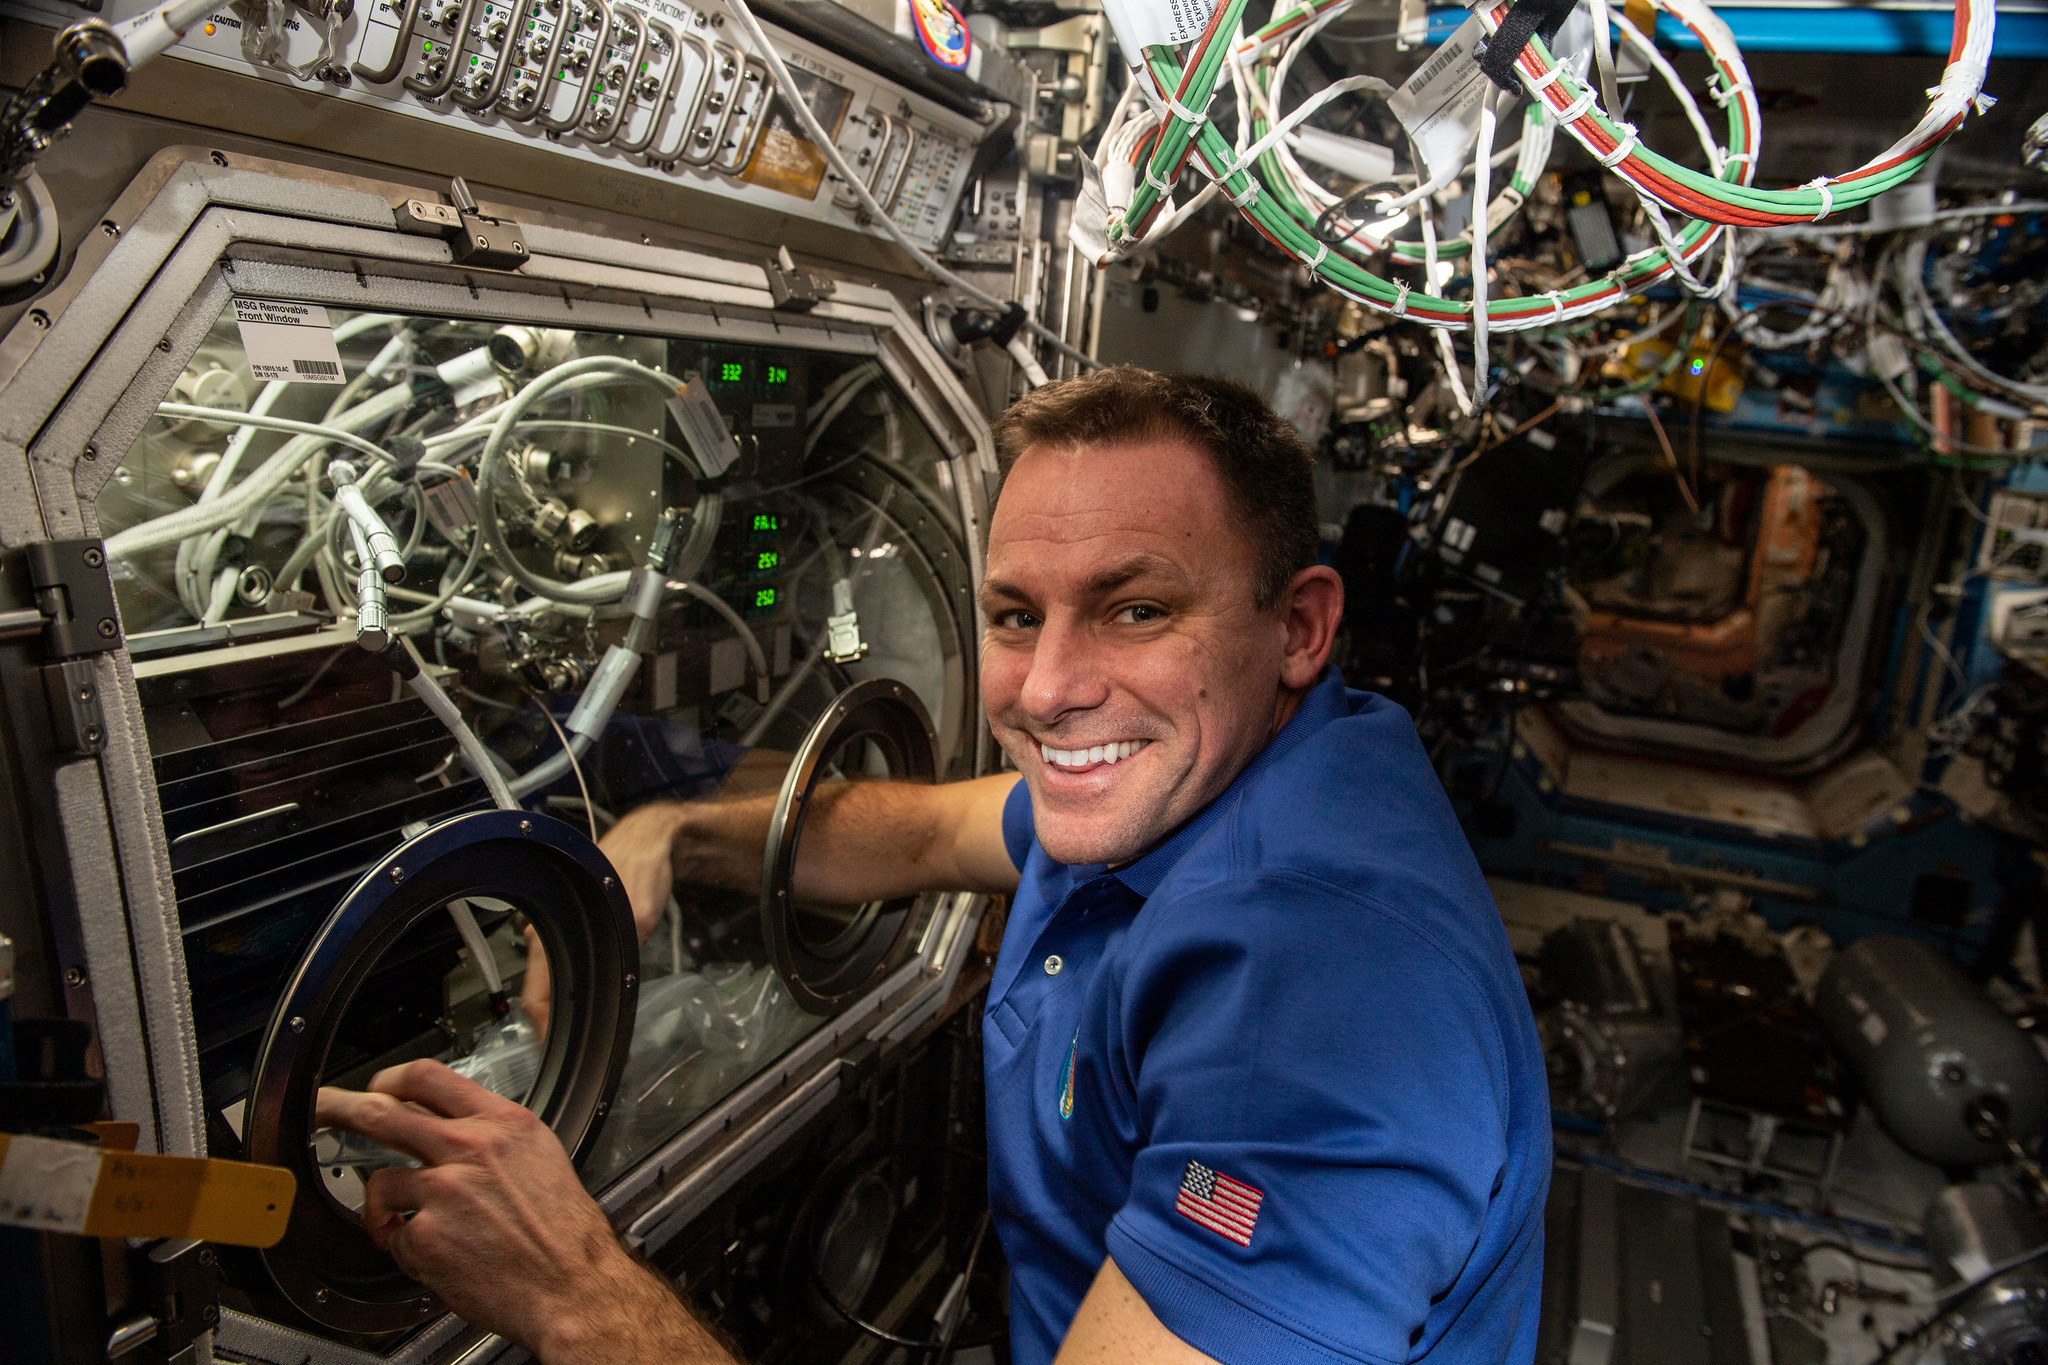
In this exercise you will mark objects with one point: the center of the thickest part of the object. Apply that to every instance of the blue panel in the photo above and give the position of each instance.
(1763, 29)
(1859, 31)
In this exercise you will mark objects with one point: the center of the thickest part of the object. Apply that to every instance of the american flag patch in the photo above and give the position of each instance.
(1218, 1203)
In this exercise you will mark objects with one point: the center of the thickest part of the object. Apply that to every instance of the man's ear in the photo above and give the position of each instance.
(1311, 606)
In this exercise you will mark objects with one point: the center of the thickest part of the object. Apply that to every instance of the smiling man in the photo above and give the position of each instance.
(1262, 1081)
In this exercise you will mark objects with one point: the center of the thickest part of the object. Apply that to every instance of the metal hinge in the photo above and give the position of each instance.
(794, 290)
(77, 619)
(473, 238)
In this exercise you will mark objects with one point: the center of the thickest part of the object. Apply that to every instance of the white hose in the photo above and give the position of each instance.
(256, 489)
(1034, 373)
(473, 752)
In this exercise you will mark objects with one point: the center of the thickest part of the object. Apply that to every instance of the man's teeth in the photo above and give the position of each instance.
(1100, 753)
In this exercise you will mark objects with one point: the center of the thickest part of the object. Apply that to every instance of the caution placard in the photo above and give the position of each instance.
(76, 1187)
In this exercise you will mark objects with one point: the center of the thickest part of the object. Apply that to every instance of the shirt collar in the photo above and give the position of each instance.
(1321, 704)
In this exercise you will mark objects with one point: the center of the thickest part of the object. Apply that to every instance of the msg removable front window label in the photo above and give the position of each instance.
(288, 341)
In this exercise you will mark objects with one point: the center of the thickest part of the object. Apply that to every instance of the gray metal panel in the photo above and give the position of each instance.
(109, 965)
(1598, 1308)
(1662, 1306)
(113, 341)
(749, 1148)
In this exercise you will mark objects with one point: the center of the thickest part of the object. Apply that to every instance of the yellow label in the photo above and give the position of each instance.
(71, 1187)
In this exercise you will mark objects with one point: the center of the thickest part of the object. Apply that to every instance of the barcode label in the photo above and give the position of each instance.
(288, 342)
(1439, 105)
(704, 429)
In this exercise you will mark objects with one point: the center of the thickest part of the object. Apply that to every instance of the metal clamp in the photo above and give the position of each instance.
(822, 975)
(502, 65)
(606, 128)
(326, 1264)
(435, 87)
(672, 38)
(541, 115)
(408, 18)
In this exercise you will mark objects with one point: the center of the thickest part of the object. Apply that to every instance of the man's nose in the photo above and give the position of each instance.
(1066, 673)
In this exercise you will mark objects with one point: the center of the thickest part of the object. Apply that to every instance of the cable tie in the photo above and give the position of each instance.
(1827, 196)
(1622, 149)
(1556, 297)
(1315, 267)
(1250, 196)
(1165, 187)
(1735, 158)
(1721, 90)
(1184, 114)
(1538, 84)
(1576, 110)
(1400, 299)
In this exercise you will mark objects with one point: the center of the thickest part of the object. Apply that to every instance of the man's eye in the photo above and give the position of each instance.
(1017, 620)
(1140, 614)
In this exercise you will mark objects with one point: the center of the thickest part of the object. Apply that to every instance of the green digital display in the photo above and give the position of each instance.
(732, 372)
(777, 374)
(767, 559)
(764, 597)
(765, 521)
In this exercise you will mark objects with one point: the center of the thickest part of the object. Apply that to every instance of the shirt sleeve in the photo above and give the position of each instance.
(1322, 1099)
(1017, 832)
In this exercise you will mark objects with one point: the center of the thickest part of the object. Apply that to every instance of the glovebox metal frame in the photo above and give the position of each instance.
(80, 375)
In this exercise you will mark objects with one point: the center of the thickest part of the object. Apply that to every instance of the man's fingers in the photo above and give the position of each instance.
(386, 1119)
(388, 1196)
(432, 1084)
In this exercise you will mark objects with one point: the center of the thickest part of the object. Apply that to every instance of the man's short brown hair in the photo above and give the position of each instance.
(1267, 472)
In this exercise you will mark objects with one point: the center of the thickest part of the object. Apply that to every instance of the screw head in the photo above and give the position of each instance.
(298, 1023)
(206, 1255)
(221, 159)
(610, 882)
(483, 242)
(631, 981)
(164, 345)
(94, 556)
(38, 318)
(526, 826)
(74, 977)
(91, 452)
(210, 1313)
(425, 1306)
(110, 228)
(107, 628)
(397, 874)
(603, 1108)
(321, 1296)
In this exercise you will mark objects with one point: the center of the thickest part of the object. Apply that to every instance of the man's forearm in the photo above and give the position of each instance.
(636, 1319)
(861, 841)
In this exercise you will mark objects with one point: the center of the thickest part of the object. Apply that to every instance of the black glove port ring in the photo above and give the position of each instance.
(823, 977)
(326, 1264)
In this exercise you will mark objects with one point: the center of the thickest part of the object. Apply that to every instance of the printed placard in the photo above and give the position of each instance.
(1439, 104)
(288, 341)
(704, 429)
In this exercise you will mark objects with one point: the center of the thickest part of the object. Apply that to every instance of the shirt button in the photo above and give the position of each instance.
(1053, 965)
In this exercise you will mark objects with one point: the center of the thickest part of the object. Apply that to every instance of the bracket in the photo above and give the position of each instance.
(794, 290)
(474, 238)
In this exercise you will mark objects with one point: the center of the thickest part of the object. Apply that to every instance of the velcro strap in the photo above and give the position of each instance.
(1528, 19)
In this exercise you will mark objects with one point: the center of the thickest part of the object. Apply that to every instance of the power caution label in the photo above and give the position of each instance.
(288, 341)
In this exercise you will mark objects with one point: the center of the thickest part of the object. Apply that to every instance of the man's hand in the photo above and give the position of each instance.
(499, 1226)
(639, 846)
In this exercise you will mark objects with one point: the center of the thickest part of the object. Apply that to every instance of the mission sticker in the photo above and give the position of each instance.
(288, 341)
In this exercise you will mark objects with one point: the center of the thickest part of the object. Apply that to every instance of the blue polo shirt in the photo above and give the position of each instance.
(1281, 1068)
